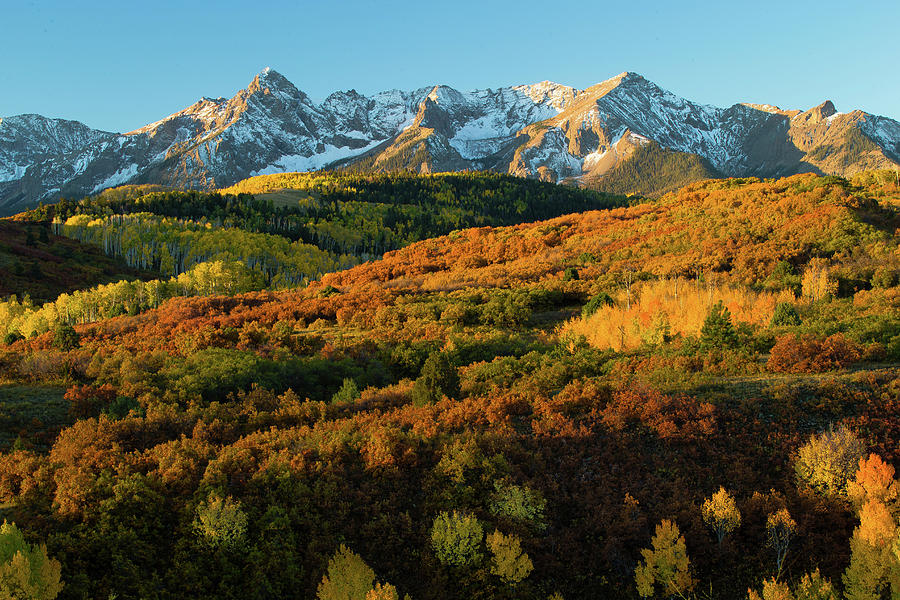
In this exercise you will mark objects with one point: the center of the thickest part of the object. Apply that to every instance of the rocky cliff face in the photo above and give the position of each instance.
(25, 139)
(544, 130)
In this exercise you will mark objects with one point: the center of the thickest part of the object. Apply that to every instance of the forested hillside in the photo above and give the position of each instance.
(689, 397)
(35, 261)
(268, 232)
(652, 171)
(360, 215)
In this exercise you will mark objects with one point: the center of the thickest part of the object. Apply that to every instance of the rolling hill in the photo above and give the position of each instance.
(273, 443)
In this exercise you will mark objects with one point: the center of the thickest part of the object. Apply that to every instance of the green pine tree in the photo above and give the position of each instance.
(718, 331)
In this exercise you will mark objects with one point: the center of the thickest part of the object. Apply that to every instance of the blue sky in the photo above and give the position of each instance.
(119, 65)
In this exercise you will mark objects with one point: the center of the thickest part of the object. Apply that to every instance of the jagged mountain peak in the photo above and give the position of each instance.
(626, 83)
(267, 85)
(205, 111)
(629, 76)
(624, 78)
(817, 114)
(444, 94)
(555, 94)
(40, 122)
(826, 109)
(270, 81)
(545, 84)
(271, 76)
(346, 94)
(29, 138)
(545, 129)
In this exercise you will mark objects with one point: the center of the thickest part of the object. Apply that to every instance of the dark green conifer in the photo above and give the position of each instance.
(718, 331)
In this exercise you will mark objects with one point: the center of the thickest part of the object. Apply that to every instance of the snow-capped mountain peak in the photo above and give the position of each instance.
(545, 129)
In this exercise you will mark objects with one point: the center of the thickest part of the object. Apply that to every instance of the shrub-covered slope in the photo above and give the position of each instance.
(438, 422)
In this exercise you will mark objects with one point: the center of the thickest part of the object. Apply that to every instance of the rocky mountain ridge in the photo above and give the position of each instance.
(545, 130)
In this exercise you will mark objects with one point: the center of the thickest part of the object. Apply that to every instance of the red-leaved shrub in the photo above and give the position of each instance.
(810, 354)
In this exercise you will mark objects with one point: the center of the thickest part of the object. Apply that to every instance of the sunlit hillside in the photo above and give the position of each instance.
(535, 410)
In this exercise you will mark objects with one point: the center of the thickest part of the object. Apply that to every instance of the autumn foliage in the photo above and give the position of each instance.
(810, 354)
(456, 415)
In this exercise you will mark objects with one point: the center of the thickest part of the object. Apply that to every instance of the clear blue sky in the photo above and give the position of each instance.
(119, 65)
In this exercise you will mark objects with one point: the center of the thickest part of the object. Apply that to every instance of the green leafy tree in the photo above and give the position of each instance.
(519, 503)
(26, 572)
(220, 522)
(348, 577)
(466, 474)
(783, 277)
(438, 378)
(347, 394)
(666, 564)
(508, 561)
(874, 566)
(456, 539)
(65, 337)
(884, 277)
(507, 310)
(274, 562)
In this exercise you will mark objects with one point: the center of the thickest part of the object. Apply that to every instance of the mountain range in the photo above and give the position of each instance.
(545, 130)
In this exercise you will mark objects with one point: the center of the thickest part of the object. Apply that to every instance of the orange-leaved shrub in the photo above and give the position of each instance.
(810, 354)
(87, 400)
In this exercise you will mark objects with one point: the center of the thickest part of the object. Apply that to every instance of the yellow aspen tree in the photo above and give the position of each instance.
(221, 522)
(873, 564)
(874, 481)
(666, 564)
(772, 589)
(348, 577)
(828, 461)
(812, 587)
(815, 587)
(508, 561)
(721, 513)
(780, 530)
(382, 592)
(817, 282)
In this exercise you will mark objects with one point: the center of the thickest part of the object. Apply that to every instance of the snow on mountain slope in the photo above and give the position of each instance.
(498, 115)
(741, 140)
(544, 130)
(885, 133)
(25, 139)
(641, 107)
